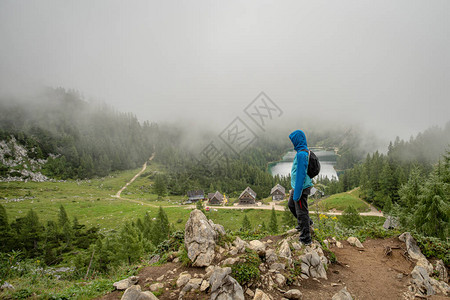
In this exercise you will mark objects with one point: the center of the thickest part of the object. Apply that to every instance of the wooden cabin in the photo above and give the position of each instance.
(215, 198)
(278, 192)
(194, 196)
(248, 196)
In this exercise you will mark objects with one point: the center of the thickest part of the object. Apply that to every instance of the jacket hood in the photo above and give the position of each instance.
(298, 139)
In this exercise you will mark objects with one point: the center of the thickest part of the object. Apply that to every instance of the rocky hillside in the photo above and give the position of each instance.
(17, 165)
(279, 267)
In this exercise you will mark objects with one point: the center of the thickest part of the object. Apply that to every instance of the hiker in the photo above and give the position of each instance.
(301, 185)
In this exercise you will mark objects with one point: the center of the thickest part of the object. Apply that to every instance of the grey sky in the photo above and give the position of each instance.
(385, 64)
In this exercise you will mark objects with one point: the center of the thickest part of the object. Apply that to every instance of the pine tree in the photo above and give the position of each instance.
(62, 217)
(160, 186)
(263, 227)
(351, 218)
(161, 227)
(273, 225)
(131, 248)
(409, 192)
(246, 225)
(5, 231)
(433, 212)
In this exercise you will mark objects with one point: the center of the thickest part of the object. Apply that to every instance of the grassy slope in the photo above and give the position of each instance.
(341, 201)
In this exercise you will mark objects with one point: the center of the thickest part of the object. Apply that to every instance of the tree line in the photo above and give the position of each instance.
(68, 239)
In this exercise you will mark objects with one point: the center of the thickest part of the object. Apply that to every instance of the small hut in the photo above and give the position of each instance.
(215, 198)
(248, 196)
(194, 196)
(278, 192)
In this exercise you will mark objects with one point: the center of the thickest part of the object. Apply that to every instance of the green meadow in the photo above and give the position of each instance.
(341, 201)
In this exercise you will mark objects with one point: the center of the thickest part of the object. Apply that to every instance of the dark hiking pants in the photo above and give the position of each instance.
(300, 211)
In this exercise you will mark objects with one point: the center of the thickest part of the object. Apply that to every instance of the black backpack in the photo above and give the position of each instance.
(313, 164)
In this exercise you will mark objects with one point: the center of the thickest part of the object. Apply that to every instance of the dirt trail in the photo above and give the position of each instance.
(117, 195)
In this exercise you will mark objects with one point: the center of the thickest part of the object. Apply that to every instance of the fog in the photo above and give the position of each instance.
(383, 65)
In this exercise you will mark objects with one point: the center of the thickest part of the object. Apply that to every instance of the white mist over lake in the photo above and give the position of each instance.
(327, 162)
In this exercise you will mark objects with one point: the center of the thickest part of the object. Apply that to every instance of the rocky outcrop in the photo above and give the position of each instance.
(390, 223)
(223, 286)
(422, 285)
(199, 239)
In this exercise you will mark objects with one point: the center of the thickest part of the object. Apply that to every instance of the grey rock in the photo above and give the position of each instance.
(442, 271)
(183, 279)
(156, 286)
(312, 265)
(285, 250)
(224, 287)
(421, 283)
(134, 293)
(126, 283)
(154, 259)
(271, 256)
(280, 279)
(240, 245)
(260, 295)
(277, 267)
(230, 261)
(440, 286)
(342, 295)
(258, 246)
(355, 242)
(391, 223)
(293, 294)
(204, 286)
(411, 246)
(249, 293)
(199, 239)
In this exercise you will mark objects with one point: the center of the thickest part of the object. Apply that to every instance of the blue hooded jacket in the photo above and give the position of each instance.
(299, 177)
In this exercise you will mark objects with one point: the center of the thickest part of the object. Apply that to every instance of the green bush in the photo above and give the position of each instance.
(247, 271)
(434, 247)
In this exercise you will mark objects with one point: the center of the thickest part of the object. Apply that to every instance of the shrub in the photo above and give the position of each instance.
(247, 271)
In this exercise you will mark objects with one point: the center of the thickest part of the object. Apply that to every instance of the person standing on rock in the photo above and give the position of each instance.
(301, 185)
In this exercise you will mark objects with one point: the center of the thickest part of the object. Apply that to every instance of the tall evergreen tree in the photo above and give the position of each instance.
(273, 224)
(161, 227)
(246, 225)
(5, 231)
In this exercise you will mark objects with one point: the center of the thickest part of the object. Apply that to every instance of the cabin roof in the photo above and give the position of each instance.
(248, 190)
(278, 187)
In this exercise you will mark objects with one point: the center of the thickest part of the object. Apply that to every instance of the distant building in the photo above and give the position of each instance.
(248, 196)
(278, 192)
(194, 196)
(215, 198)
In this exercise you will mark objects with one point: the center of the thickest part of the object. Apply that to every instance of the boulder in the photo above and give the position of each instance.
(134, 293)
(271, 256)
(285, 251)
(240, 245)
(421, 283)
(217, 227)
(126, 283)
(280, 279)
(204, 286)
(342, 295)
(223, 286)
(440, 286)
(260, 295)
(258, 246)
(441, 270)
(354, 242)
(312, 266)
(230, 261)
(411, 246)
(391, 223)
(199, 239)
(293, 294)
(183, 279)
(156, 286)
